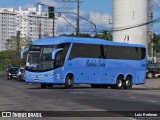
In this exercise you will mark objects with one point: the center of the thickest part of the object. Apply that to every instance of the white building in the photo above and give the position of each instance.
(26, 23)
(129, 18)
(34, 24)
(8, 19)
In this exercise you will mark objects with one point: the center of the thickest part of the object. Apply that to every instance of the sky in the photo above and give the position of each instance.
(97, 11)
(101, 6)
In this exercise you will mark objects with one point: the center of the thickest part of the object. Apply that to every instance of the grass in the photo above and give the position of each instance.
(1, 72)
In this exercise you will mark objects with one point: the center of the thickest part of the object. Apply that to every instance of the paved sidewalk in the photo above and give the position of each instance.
(150, 83)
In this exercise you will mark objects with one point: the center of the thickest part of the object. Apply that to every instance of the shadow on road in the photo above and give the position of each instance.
(62, 87)
(145, 89)
(88, 87)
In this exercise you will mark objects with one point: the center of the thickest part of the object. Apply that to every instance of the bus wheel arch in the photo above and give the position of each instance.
(43, 86)
(119, 82)
(69, 80)
(127, 83)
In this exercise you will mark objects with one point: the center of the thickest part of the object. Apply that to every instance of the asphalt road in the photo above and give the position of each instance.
(20, 96)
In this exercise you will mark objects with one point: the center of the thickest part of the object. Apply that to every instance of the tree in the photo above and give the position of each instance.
(105, 35)
(155, 43)
(85, 35)
(80, 35)
(16, 43)
(12, 55)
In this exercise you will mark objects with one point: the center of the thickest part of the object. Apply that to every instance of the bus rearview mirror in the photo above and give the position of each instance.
(55, 52)
(22, 52)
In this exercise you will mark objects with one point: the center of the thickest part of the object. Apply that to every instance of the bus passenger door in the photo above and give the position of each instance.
(58, 64)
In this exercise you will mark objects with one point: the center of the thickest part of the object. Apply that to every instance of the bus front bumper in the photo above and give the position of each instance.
(48, 78)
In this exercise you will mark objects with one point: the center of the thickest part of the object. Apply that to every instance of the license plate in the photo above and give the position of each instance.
(36, 80)
(14, 76)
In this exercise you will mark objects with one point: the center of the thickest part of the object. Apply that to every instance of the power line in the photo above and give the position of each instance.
(139, 25)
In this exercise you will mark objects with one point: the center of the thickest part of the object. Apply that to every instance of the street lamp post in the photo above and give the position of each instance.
(77, 14)
(51, 15)
(51, 12)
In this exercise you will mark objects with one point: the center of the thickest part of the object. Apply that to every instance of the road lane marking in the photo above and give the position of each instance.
(132, 97)
(152, 101)
(132, 119)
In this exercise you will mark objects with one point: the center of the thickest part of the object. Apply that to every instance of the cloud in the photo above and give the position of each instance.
(28, 6)
(102, 20)
(48, 2)
(62, 26)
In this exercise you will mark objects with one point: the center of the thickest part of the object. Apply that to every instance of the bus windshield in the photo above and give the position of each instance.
(40, 58)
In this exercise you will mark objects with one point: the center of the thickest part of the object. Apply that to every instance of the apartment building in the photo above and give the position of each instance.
(29, 23)
(34, 24)
(8, 19)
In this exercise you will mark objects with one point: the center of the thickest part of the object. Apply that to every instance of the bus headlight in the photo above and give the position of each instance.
(47, 75)
(26, 75)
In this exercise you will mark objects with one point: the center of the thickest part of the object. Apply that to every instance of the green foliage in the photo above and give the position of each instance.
(105, 35)
(17, 43)
(11, 56)
(156, 42)
(81, 35)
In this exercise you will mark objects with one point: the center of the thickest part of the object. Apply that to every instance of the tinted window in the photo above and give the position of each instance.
(13, 70)
(35, 48)
(86, 51)
(64, 52)
(124, 53)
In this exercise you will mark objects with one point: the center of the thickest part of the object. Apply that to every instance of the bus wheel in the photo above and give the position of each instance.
(43, 86)
(104, 86)
(49, 85)
(93, 85)
(69, 82)
(127, 84)
(150, 75)
(119, 83)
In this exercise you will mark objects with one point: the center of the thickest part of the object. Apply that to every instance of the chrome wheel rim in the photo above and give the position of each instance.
(119, 83)
(128, 83)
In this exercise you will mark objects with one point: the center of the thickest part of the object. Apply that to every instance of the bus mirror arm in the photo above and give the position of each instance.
(55, 52)
(22, 52)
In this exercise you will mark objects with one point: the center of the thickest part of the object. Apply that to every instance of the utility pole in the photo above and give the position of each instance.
(81, 18)
(78, 7)
(78, 14)
(39, 28)
(51, 15)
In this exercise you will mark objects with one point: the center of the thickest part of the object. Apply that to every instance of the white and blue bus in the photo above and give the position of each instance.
(70, 60)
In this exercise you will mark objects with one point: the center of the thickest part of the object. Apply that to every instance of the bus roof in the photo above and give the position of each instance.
(61, 39)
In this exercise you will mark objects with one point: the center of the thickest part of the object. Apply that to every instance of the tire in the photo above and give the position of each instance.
(127, 84)
(49, 85)
(96, 86)
(8, 77)
(43, 86)
(150, 75)
(93, 85)
(69, 82)
(119, 83)
(104, 86)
